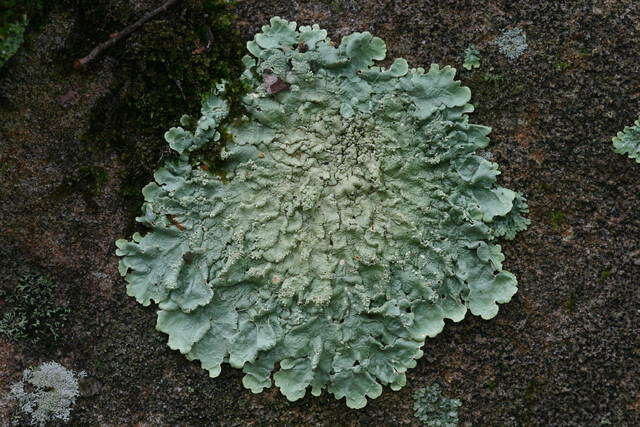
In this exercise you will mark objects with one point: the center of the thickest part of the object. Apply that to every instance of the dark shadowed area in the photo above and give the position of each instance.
(76, 147)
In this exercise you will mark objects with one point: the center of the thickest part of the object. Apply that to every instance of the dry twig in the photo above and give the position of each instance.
(116, 37)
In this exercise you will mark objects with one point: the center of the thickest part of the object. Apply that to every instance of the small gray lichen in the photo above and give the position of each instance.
(433, 409)
(471, 58)
(628, 141)
(46, 392)
(353, 219)
(512, 43)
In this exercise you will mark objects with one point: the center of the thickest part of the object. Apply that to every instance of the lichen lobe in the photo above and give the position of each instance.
(628, 141)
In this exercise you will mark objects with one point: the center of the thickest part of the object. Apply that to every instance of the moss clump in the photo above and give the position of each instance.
(11, 39)
(606, 273)
(14, 17)
(159, 78)
(32, 313)
(558, 220)
(570, 304)
(13, 11)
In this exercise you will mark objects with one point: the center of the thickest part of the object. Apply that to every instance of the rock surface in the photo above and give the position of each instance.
(565, 351)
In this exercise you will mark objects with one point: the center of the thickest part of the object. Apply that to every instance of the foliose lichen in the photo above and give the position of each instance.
(350, 217)
(433, 409)
(471, 58)
(46, 392)
(628, 141)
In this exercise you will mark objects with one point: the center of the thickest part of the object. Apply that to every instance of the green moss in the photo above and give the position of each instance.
(562, 65)
(495, 80)
(337, 5)
(13, 11)
(15, 16)
(557, 220)
(498, 89)
(31, 311)
(12, 39)
(606, 273)
(517, 89)
(570, 304)
(159, 78)
(546, 188)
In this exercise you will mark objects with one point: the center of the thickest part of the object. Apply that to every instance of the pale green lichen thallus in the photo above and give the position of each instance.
(354, 218)
(628, 141)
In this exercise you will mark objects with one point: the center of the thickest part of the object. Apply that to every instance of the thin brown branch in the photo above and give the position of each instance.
(116, 37)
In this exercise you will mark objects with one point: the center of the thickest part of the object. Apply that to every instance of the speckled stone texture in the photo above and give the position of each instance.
(565, 351)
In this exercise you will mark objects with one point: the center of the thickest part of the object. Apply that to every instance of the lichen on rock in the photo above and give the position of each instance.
(471, 58)
(512, 43)
(433, 409)
(353, 218)
(627, 141)
(46, 392)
